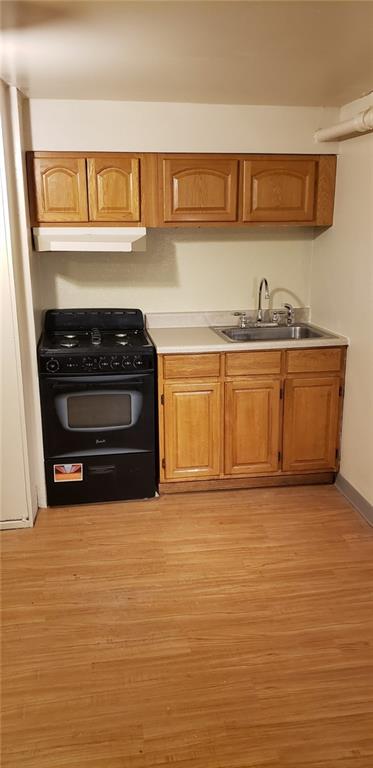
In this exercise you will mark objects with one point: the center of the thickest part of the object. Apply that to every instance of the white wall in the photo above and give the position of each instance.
(17, 489)
(24, 275)
(183, 270)
(121, 126)
(342, 296)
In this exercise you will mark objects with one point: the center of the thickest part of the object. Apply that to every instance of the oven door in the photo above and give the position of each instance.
(84, 415)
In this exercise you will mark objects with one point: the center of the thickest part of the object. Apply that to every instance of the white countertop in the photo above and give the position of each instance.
(181, 340)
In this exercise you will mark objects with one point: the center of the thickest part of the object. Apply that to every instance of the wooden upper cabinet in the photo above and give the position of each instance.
(114, 188)
(60, 186)
(199, 188)
(311, 417)
(252, 426)
(279, 189)
(182, 189)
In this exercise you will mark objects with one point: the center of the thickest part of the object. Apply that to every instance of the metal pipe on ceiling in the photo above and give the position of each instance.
(361, 123)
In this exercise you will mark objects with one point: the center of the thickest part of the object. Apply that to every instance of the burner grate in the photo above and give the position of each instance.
(69, 342)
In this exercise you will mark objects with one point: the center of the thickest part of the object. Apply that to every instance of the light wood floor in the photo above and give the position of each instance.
(210, 630)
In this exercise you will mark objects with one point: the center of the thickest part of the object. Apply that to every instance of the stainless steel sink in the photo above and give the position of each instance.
(274, 333)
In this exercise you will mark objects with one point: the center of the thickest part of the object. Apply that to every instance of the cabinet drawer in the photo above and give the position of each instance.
(313, 360)
(242, 363)
(185, 366)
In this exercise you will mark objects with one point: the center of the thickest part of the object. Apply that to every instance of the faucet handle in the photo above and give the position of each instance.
(290, 313)
(243, 318)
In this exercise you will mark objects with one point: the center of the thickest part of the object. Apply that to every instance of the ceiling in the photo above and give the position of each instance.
(278, 53)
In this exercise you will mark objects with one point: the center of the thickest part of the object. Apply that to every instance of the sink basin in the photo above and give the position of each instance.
(275, 333)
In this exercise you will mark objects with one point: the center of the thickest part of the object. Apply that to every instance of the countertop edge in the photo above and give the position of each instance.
(179, 347)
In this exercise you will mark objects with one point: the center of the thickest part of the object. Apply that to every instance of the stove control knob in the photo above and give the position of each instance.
(103, 364)
(52, 365)
(115, 363)
(126, 362)
(138, 361)
(87, 362)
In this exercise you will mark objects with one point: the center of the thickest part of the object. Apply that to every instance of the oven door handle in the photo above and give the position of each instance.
(107, 469)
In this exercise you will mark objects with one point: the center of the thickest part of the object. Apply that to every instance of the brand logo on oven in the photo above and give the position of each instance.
(98, 442)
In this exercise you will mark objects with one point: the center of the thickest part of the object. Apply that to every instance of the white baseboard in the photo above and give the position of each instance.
(8, 525)
(355, 498)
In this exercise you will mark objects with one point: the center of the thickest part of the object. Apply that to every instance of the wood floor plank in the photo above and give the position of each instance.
(231, 629)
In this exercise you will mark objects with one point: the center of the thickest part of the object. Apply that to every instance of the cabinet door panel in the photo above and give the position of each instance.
(192, 429)
(199, 189)
(279, 190)
(114, 189)
(60, 189)
(252, 426)
(311, 423)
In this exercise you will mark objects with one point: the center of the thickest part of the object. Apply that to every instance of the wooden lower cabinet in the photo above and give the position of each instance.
(241, 417)
(311, 418)
(192, 424)
(252, 426)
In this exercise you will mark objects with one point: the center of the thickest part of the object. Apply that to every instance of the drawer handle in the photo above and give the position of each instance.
(99, 470)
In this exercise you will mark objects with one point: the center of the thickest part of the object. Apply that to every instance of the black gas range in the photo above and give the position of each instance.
(97, 390)
(86, 341)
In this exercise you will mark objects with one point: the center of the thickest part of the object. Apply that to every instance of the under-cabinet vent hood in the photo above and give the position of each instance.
(89, 239)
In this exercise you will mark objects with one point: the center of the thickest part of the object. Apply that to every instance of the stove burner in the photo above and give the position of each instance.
(69, 342)
(69, 336)
(120, 335)
(123, 343)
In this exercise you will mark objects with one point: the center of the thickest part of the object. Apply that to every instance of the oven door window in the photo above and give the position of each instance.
(98, 411)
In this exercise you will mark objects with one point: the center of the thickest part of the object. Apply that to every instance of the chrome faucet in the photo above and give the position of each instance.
(259, 314)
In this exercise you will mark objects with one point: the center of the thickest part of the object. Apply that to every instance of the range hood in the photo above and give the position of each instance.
(90, 239)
